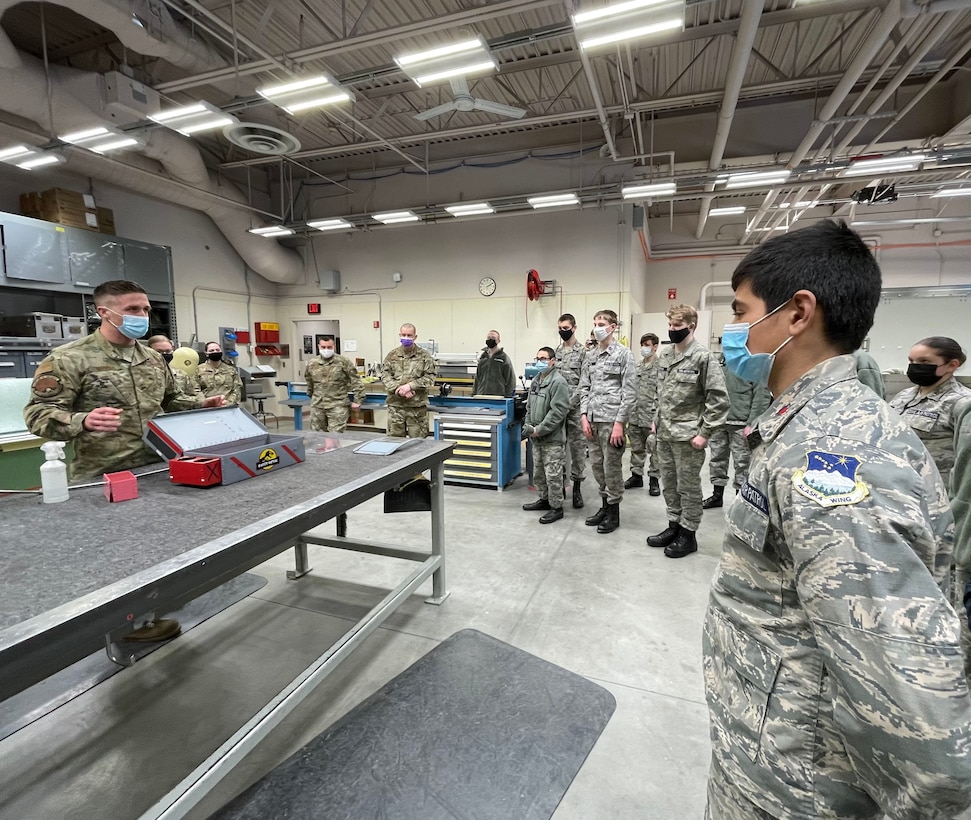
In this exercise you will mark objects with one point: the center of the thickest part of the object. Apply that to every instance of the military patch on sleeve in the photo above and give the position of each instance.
(46, 386)
(830, 479)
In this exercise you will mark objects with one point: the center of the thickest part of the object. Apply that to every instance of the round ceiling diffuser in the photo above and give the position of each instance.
(261, 139)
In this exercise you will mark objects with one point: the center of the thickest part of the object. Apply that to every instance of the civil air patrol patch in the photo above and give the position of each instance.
(830, 479)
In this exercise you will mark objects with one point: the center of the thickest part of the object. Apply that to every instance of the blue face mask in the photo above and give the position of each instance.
(748, 366)
(134, 327)
(541, 366)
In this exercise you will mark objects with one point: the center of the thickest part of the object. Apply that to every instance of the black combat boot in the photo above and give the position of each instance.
(715, 499)
(577, 494)
(538, 504)
(611, 519)
(596, 519)
(635, 480)
(553, 515)
(683, 545)
(655, 487)
(662, 539)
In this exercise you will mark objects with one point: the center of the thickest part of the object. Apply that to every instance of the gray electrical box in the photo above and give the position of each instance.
(330, 280)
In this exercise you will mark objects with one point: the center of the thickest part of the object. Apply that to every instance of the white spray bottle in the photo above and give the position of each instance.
(53, 473)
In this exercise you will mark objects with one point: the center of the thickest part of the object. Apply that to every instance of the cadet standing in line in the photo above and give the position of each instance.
(692, 403)
(747, 402)
(608, 388)
(100, 390)
(546, 410)
(832, 666)
(164, 347)
(961, 507)
(570, 356)
(218, 378)
(868, 372)
(494, 374)
(408, 372)
(330, 377)
(643, 442)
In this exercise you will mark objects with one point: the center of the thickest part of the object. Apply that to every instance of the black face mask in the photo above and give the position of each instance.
(678, 336)
(565, 334)
(490, 343)
(923, 375)
(167, 356)
(214, 357)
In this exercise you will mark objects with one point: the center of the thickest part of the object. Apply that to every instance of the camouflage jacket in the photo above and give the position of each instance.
(692, 398)
(933, 418)
(219, 379)
(547, 407)
(746, 401)
(608, 384)
(330, 380)
(832, 661)
(494, 375)
(961, 490)
(89, 373)
(569, 361)
(414, 366)
(645, 407)
(868, 372)
(185, 382)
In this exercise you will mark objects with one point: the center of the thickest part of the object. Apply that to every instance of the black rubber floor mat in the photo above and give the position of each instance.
(475, 729)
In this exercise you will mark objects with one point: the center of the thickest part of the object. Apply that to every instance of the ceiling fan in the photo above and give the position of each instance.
(464, 101)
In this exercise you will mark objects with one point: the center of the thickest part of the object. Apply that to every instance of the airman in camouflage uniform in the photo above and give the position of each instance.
(643, 442)
(608, 389)
(330, 377)
(961, 507)
(217, 378)
(831, 662)
(747, 402)
(408, 372)
(692, 403)
(570, 356)
(546, 410)
(164, 347)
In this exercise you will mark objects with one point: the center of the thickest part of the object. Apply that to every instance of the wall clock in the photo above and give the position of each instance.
(487, 286)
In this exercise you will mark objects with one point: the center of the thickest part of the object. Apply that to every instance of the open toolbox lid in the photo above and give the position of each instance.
(172, 434)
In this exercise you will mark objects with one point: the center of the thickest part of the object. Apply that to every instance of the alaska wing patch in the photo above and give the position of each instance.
(830, 479)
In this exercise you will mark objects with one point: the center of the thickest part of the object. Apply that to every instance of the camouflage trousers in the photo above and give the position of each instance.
(727, 441)
(605, 462)
(577, 444)
(548, 469)
(726, 803)
(681, 481)
(407, 422)
(329, 418)
(643, 443)
(957, 599)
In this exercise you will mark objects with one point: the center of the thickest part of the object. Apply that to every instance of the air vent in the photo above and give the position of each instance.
(261, 139)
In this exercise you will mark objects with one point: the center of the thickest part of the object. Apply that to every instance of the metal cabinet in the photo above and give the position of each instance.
(12, 365)
(94, 258)
(34, 251)
(150, 266)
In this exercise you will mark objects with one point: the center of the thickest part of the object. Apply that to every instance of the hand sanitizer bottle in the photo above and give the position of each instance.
(53, 473)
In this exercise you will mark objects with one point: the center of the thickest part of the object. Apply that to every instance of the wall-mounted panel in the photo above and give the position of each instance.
(34, 251)
(149, 265)
(94, 258)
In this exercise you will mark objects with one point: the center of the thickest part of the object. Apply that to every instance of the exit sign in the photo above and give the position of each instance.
(313, 308)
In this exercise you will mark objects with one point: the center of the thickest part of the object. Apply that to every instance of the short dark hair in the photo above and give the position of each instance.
(945, 346)
(327, 337)
(115, 287)
(568, 317)
(549, 352)
(650, 337)
(830, 260)
(607, 314)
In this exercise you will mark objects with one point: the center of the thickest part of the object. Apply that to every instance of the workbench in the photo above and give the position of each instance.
(78, 574)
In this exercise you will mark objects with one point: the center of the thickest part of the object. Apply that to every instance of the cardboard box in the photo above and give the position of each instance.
(70, 208)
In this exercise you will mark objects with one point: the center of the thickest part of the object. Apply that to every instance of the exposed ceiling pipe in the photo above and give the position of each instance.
(599, 105)
(747, 30)
(877, 39)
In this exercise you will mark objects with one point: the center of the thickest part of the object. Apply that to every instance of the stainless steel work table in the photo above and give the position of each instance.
(76, 574)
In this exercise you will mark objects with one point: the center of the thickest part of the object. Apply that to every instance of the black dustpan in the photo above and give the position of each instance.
(412, 496)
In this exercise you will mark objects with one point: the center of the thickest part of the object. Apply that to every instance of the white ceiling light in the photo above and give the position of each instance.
(101, 139)
(394, 217)
(952, 192)
(553, 201)
(272, 230)
(727, 210)
(627, 21)
(470, 209)
(300, 95)
(884, 165)
(642, 190)
(191, 119)
(28, 158)
(466, 58)
(749, 179)
(806, 203)
(329, 224)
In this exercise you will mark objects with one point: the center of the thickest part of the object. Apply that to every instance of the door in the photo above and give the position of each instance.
(307, 334)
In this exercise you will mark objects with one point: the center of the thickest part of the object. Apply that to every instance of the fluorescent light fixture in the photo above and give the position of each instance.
(191, 119)
(627, 21)
(41, 159)
(727, 210)
(394, 217)
(755, 178)
(15, 151)
(272, 230)
(28, 157)
(952, 192)
(641, 190)
(884, 165)
(329, 224)
(453, 60)
(553, 201)
(806, 203)
(100, 139)
(310, 92)
(471, 209)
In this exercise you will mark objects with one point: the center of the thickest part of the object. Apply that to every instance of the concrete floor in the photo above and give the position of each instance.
(605, 606)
